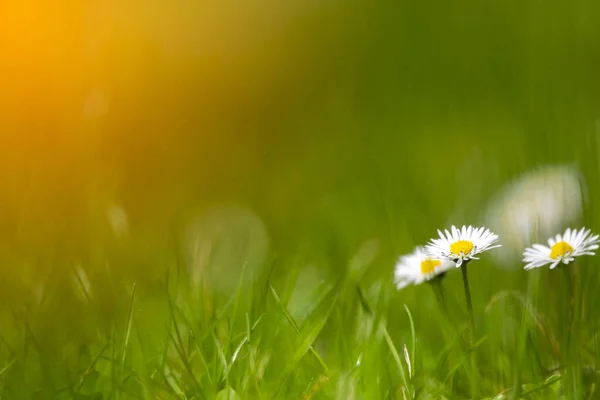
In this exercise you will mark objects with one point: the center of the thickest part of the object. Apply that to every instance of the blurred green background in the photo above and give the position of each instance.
(293, 140)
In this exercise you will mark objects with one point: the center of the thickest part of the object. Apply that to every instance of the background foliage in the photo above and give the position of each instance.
(206, 200)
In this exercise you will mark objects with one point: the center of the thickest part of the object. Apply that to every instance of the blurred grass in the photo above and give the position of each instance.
(270, 161)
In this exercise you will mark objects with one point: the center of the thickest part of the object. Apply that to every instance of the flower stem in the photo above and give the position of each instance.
(571, 352)
(471, 337)
(571, 305)
(436, 285)
(463, 269)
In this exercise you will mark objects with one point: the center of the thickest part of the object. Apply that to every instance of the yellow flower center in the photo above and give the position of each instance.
(462, 246)
(560, 249)
(428, 265)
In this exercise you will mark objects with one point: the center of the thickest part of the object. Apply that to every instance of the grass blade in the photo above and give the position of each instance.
(128, 330)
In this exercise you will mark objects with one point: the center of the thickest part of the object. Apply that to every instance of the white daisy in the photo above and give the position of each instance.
(418, 267)
(462, 245)
(562, 248)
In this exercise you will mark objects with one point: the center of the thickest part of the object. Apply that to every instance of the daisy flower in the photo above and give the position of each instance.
(462, 245)
(418, 267)
(562, 248)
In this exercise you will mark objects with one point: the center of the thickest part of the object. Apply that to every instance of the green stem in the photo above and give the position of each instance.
(474, 377)
(571, 300)
(436, 285)
(463, 269)
(571, 351)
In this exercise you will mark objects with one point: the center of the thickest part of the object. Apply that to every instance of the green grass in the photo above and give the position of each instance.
(269, 189)
(348, 337)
